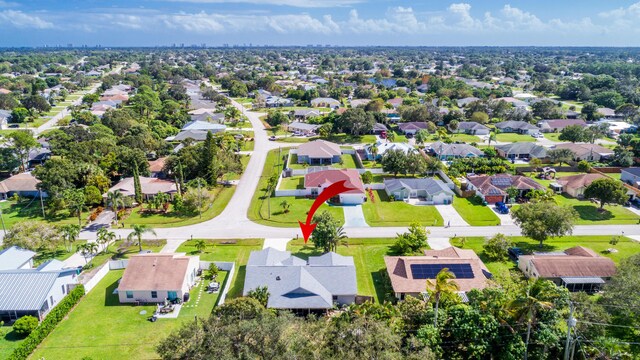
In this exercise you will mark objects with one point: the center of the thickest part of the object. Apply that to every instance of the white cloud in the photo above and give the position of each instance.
(293, 3)
(23, 20)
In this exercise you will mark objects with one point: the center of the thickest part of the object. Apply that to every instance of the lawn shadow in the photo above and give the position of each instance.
(592, 213)
(306, 251)
(111, 299)
(12, 336)
(529, 248)
(382, 285)
(238, 283)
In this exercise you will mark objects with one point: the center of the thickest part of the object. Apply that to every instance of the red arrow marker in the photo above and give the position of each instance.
(331, 191)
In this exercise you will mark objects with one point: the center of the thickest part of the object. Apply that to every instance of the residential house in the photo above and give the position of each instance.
(444, 151)
(577, 268)
(303, 128)
(631, 176)
(191, 135)
(409, 274)
(156, 167)
(207, 116)
(149, 187)
(521, 150)
(25, 290)
(23, 184)
(395, 102)
(381, 148)
(589, 152)
(359, 102)
(304, 114)
(5, 116)
(466, 101)
(472, 128)
(412, 127)
(154, 278)
(519, 127)
(431, 191)
(576, 184)
(379, 128)
(277, 101)
(199, 125)
(316, 182)
(557, 125)
(492, 188)
(607, 113)
(316, 284)
(38, 157)
(318, 152)
(517, 103)
(325, 102)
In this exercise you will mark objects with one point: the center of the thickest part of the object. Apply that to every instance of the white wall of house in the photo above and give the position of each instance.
(442, 198)
(59, 290)
(352, 199)
(146, 296)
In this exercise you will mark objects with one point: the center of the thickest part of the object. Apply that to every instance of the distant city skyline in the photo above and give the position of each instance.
(319, 22)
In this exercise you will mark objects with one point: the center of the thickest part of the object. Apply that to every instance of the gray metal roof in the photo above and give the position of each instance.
(295, 284)
(521, 125)
(431, 186)
(25, 290)
(13, 258)
(633, 171)
(462, 150)
(471, 125)
(302, 126)
(582, 280)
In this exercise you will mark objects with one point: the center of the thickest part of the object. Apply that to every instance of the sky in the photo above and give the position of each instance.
(326, 22)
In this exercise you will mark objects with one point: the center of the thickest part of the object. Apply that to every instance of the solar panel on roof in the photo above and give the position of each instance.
(501, 181)
(429, 271)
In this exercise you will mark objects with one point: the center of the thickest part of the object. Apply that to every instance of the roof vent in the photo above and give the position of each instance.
(278, 278)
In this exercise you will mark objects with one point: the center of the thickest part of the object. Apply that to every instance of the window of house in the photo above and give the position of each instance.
(154, 294)
(129, 294)
(51, 298)
(64, 291)
(334, 298)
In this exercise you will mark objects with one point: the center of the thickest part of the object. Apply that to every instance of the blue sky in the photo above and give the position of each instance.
(332, 22)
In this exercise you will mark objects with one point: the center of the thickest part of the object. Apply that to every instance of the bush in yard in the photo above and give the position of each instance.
(584, 166)
(411, 242)
(367, 177)
(495, 248)
(25, 325)
(49, 323)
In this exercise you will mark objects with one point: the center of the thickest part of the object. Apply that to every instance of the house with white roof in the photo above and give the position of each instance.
(382, 147)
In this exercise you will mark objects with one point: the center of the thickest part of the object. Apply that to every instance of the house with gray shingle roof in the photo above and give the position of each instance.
(318, 283)
(31, 291)
(521, 150)
(472, 128)
(432, 191)
(318, 152)
(444, 151)
(519, 127)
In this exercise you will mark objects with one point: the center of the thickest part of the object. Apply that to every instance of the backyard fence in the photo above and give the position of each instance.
(224, 266)
(95, 279)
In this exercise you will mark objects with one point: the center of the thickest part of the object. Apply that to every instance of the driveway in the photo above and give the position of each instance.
(354, 217)
(438, 243)
(450, 216)
(276, 243)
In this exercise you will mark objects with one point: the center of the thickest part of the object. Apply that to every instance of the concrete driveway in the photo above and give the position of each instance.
(354, 217)
(450, 216)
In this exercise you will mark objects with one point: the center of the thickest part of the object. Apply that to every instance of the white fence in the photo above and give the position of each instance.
(99, 275)
(224, 266)
(446, 179)
(375, 186)
(294, 192)
(118, 264)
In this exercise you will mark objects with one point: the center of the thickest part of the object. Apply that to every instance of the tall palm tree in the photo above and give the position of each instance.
(528, 304)
(70, 233)
(340, 238)
(442, 285)
(200, 245)
(138, 231)
(87, 250)
(373, 149)
(492, 137)
(115, 199)
(105, 237)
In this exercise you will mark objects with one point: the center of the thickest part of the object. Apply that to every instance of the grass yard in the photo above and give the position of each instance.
(466, 138)
(512, 137)
(292, 183)
(348, 161)
(626, 247)
(296, 139)
(383, 212)
(552, 136)
(351, 139)
(589, 215)
(368, 256)
(222, 195)
(244, 160)
(546, 183)
(474, 213)
(101, 328)
(8, 341)
(14, 212)
(227, 250)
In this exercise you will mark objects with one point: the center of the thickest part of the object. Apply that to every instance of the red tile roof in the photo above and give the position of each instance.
(326, 177)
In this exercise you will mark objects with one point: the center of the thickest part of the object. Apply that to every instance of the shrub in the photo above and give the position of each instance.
(367, 177)
(584, 166)
(56, 315)
(495, 248)
(25, 325)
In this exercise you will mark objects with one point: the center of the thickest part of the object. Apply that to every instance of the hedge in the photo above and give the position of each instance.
(49, 323)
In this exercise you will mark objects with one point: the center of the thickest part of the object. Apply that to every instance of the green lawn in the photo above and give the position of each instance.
(368, 256)
(23, 210)
(371, 164)
(292, 183)
(512, 137)
(8, 341)
(222, 195)
(101, 328)
(474, 213)
(383, 212)
(589, 215)
(626, 247)
(546, 183)
(293, 162)
(466, 138)
(348, 161)
(227, 250)
(351, 139)
(552, 136)
(244, 160)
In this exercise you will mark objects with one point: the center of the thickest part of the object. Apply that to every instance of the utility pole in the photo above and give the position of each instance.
(4, 229)
(571, 322)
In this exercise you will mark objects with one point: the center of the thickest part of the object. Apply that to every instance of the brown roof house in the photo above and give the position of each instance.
(318, 152)
(156, 166)
(589, 152)
(150, 187)
(556, 125)
(492, 188)
(152, 278)
(316, 182)
(23, 184)
(574, 185)
(577, 268)
(409, 274)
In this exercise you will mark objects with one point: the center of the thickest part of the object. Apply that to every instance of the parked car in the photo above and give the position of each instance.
(272, 138)
(502, 207)
(514, 253)
(537, 135)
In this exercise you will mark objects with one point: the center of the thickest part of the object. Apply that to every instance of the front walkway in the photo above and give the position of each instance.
(276, 243)
(354, 217)
(450, 216)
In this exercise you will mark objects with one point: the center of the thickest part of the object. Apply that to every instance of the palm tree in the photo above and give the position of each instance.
(138, 231)
(70, 233)
(373, 149)
(527, 305)
(285, 206)
(339, 239)
(105, 237)
(261, 293)
(200, 245)
(391, 136)
(492, 137)
(441, 285)
(115, 199)
(232, 113)
(87, 250)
